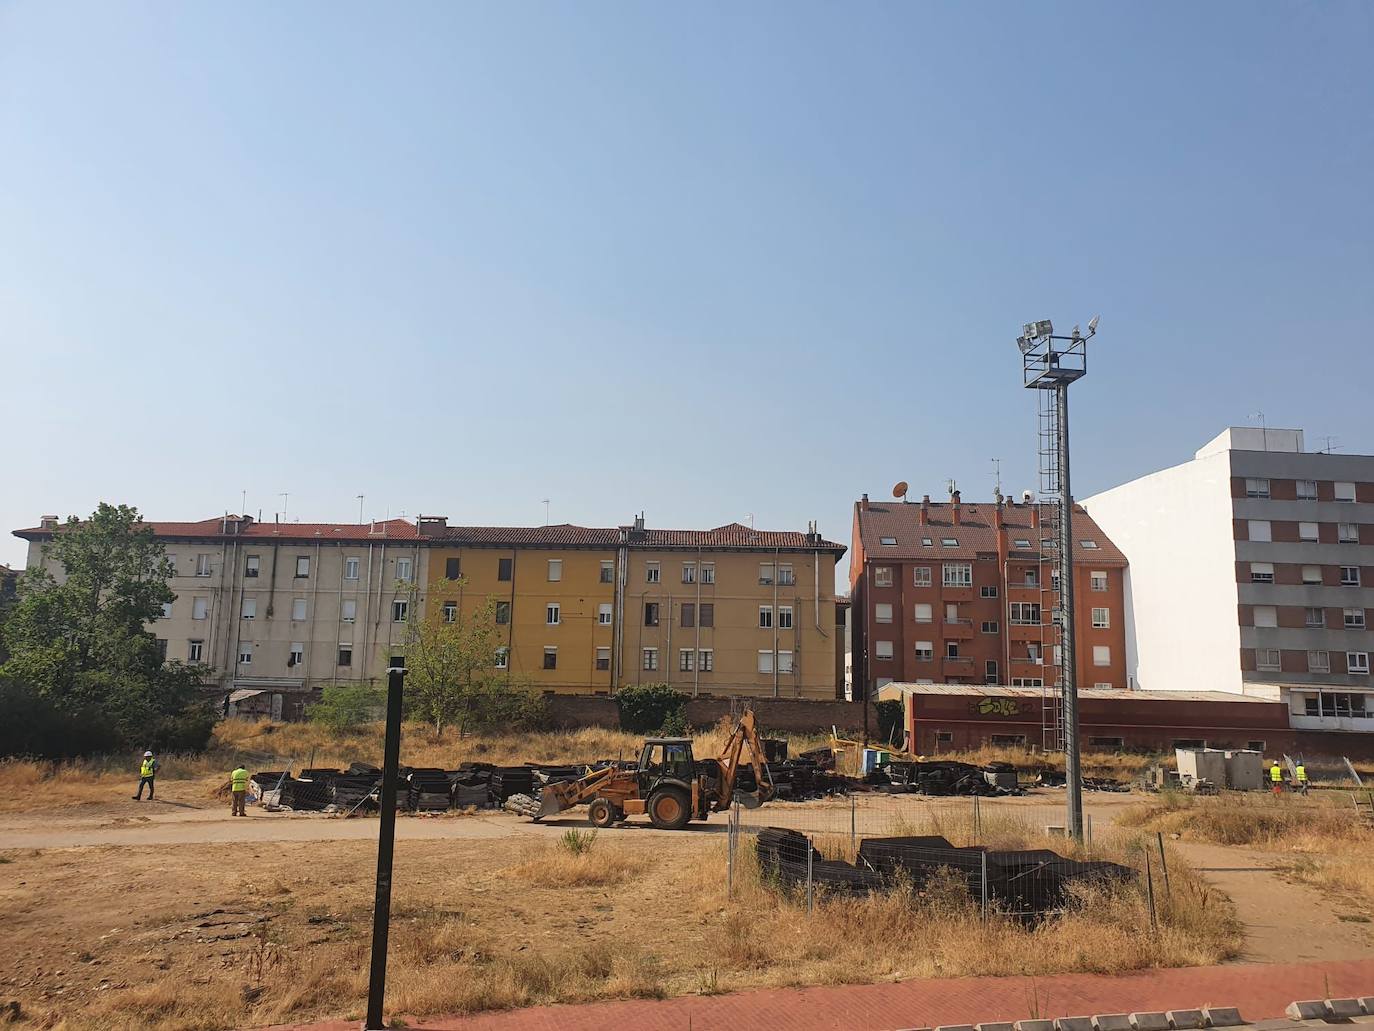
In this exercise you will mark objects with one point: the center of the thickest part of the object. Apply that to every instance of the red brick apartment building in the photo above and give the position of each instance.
(955, 593)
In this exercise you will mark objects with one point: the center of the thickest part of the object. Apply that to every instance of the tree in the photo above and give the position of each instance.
(80, 644)
(347, 706)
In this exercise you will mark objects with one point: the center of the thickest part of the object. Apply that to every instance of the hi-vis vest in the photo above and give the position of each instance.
(148, 768)
(1302, 772)
(239, 779)
(1275, 774)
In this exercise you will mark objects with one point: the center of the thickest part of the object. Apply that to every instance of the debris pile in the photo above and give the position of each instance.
(947, 777)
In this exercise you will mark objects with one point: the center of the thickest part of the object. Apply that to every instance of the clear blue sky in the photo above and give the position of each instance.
(702, 260)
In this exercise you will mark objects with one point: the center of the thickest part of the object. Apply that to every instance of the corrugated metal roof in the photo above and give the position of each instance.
(1115, 693)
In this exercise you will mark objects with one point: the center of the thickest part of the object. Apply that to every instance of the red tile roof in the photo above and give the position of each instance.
(734, 535)
(975, 532)
(562, 534)
(217, 528)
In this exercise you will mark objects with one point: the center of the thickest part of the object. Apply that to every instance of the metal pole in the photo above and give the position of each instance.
(983, 877)
(852, 805)
(810, 852)
(1150, 892)
(386, 840)
(730, 837)
(1163, 865)
(1069, 663)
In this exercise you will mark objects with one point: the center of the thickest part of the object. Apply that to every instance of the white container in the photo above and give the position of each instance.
(1198, 764)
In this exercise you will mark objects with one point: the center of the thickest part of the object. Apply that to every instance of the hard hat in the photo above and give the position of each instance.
(147, 754)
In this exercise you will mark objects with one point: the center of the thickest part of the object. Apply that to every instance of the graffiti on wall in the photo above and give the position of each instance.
(999, 708)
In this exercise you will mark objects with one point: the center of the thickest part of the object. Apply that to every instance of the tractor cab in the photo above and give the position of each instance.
(665, 758)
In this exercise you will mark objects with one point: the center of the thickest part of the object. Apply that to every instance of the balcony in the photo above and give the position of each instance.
(1023, 668)
(953, 594)
(1026, 632)
(958, 667)
(1023, 592)
(957, 629)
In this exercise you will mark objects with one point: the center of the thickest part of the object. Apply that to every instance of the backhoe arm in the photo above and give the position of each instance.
(745, 733)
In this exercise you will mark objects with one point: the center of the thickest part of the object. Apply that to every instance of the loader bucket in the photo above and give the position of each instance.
(551, 805)
(749, 799)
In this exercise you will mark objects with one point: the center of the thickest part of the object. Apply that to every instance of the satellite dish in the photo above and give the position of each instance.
(900, 490)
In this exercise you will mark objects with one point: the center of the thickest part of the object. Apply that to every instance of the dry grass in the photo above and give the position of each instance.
(578, 863)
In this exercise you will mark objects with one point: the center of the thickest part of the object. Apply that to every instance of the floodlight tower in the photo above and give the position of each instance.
(1049, 364)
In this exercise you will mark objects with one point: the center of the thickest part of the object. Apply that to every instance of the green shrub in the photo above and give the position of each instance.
(348, 706)
(890, 721)
(648, 708)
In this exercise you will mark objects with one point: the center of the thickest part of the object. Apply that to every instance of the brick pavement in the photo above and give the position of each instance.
(1260, 991)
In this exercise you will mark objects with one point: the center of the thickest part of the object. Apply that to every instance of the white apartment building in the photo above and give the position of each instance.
(278, 610)
(1252, 571)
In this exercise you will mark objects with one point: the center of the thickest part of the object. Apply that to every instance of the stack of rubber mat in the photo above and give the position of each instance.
(511, 780)
(428, 791)
(351, 788)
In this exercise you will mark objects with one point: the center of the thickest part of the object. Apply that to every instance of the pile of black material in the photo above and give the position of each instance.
(783, 856)
(428, 791)
(824, 758)
(947, 777)
(350, 789)
(555, 774)
(472, 785)
(774, 749)
(511, 780)
(1048, 778)
(795, 780)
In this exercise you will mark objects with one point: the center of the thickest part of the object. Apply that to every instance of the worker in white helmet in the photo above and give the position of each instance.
(147, 772)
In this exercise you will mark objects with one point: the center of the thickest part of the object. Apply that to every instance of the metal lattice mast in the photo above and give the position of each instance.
(1047, 511)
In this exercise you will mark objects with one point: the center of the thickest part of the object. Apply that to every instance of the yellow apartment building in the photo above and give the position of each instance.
(728, 611)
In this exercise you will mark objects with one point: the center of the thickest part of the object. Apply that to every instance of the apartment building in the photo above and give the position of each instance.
(281, 608)
(956, 593)
(731, 610)
(1252, 572)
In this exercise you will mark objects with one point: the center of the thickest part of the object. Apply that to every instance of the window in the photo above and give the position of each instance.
(925, 651)
(450, 612)
(603, 614)
(1319, 662)
(888, 542)
(1106, 742)
(1354, 619)
(298, 609)
(1008, 740)
(1102, 655)
(989, 626)
(708, 572)
(1102, 685)
(1357, 662)
(1033, 651)
(958, 574)
(784, 617)
(1098, 580)
(350, 569)
(195, 650)
(1032, 577)
(926, 542)
(1027, 682)
(882, 613)
(502, 613)
(882, 576)
(651, 613)
(765, 617)
(1344, 491)
(249, 609)
(202, 565)
(246, 653)
(1348, 533)
(1312, 574)
(1188, 742)
(706, 660)
(1308, 532)
(607, 572)
(166, 610)
(550, 657)
(949, 542)
(400, 609)
(684, 660)
(707, 615)
(1261, 572)
(1021, 542)
(296, 656)
(552, 614)
(1307, 490)
(452, 568)
(784, 662)
(921, 576)
(1025, 613)
(990, 672)
(1266, 615)
(1316, 617)
(252, 565)
(603, 658)
(302, 566)
(766, 662)
(766, 574)
(1102, 619)
(785, 577)
(1258, 530)
(555, 570)
(987, 591)
(1350, 576)
(504, 568)
(200, 608)
(652, 573)
(503, 658)
(944, 737)
(1054, 580)
(1256, 488)
(951, 649)
(1089, 544)
(1267, 660)
(650, 659)
(882, 650)
(689, 572)
(345, 655)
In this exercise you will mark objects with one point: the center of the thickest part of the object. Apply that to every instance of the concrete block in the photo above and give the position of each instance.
(1222, 1016)
(1150, 1022)
(1035, 1025)
(1112, 1022)
(1367, 1003)
(1006, 1026)
(1310, 1009)
(1073, 1024)
(1343, 1008)
(1185, 1018)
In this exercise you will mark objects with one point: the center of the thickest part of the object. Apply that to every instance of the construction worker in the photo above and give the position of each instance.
(1301, 774)
(238, 787)
(147, 771)
(1276, 777)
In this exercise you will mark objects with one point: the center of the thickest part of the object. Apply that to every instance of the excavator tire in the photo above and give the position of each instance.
(669, 809)
(601, 813)
(523, 805)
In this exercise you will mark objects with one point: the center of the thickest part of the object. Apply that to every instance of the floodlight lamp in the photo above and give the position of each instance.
(1092, 324)
(1044, 328)
(1075, 334)
(1028, 330)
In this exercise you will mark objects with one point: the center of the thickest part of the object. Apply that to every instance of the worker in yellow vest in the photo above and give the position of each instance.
(238, 787)
(1301, 773)
(147, 772)
(1276, 777)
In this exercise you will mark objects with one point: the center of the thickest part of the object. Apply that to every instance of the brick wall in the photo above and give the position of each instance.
(794, 715)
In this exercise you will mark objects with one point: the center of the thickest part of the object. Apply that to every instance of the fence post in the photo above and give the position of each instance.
(977, 821)
(983, 877)
(1150, 892)
(810, 852)
(1163, 865)
(852, 806)
(731, 838)
(1089, 819)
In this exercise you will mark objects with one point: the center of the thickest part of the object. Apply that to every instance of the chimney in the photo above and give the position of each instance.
(49, 522)
(431, 526)
(954, 507)
(1035, 516)
(997, 512)
(639, 523)
(925, 510)
(863, 503)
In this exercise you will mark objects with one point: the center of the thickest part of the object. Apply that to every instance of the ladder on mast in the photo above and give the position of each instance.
(1047, 506)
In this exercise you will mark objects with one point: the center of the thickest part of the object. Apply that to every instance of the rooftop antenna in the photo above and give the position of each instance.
(751, 519)
(546, 511)
(284, 498)
(997, 474)
(360, 508)
(1331, 445)
(1264, 426)
(900, 489)
(244, 506)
